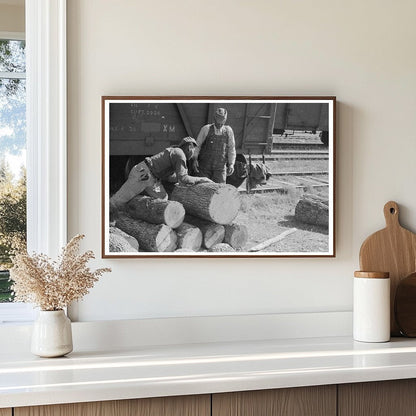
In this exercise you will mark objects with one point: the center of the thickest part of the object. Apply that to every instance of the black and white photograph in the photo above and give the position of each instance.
(218, 176)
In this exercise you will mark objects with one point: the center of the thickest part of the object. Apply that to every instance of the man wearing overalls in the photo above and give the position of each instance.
(215, 154)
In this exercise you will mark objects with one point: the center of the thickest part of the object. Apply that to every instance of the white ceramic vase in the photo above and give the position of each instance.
(52, 334)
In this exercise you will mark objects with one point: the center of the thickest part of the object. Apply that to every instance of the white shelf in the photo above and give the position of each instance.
(151, 371)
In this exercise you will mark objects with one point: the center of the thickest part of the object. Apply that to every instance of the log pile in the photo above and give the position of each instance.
(196, 217)
(312, 209)
(212, 233)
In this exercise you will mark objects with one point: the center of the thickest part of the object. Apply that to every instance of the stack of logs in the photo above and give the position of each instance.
(198, 217)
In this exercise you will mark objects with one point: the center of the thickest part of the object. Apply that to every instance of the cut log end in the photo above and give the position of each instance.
(119, 244)
(214, 235)
(131, 240)
(236, 235)
(166, 239)
(225, 204)
(174, 214)
(189, 237)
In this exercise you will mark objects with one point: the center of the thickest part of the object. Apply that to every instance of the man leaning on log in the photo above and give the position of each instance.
(148, 174)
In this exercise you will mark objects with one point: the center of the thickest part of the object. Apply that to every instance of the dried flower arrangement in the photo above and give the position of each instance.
(53, 285)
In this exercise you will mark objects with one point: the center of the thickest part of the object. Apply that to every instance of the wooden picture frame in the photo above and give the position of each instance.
(278, 202)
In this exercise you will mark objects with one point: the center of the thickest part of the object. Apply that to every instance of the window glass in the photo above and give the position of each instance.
(12, 156)
(12, 56)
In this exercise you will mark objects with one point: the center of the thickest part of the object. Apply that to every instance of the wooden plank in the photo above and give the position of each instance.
(312, 180)
(292, 157)
(161, 406)
(279, 190)
(322, 172)
(384, 398)
(273, 240)
(5, 412)
(319, 180)
(301, 401)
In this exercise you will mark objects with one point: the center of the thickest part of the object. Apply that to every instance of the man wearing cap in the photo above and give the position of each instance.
(169, 165)
(215, 153)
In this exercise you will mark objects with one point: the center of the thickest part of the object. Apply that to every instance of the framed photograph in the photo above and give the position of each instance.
(218, 177)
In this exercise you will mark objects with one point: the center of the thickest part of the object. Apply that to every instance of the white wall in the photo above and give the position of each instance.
(363, 52)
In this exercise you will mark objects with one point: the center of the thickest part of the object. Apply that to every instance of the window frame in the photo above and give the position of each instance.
(46, 138)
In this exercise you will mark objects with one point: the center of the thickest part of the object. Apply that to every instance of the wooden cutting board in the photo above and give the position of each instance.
(393, 250)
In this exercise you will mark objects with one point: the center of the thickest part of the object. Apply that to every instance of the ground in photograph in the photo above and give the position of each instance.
(270, 214)
(267, 215)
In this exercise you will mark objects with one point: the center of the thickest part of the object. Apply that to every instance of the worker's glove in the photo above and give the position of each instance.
(230, 170)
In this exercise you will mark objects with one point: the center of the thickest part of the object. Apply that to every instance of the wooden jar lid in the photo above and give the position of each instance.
(372, 275)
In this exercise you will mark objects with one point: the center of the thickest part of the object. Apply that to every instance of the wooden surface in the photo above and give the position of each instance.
(384, 398)
(392, 250)
(5, 412)
(165, 406)
(317, 401)
(372, 275)
(405, 306)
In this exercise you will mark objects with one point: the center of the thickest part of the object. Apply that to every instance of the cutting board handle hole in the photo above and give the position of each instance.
(392, 210)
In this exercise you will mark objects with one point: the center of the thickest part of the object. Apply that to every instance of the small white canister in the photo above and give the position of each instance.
(371, 322)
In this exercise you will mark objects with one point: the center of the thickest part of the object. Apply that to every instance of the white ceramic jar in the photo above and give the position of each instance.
(371, 309)
(52, 334)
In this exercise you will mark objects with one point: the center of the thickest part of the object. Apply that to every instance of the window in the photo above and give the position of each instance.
(12, 155)
(46, 134)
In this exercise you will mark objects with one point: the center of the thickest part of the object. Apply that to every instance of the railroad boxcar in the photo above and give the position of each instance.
(140, 129)
(148, 128)
(303, 116)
